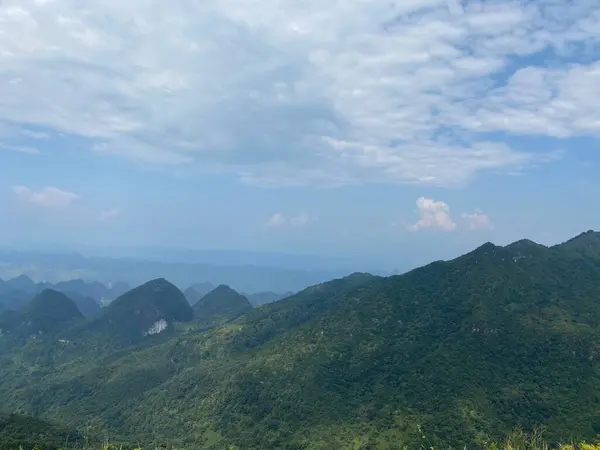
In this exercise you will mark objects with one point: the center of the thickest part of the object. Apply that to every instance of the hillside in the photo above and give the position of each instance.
(28, 433)
(220, 305)
(48, 312)
(459, 351)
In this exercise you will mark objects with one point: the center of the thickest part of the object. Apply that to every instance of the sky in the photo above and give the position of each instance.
(388, 132)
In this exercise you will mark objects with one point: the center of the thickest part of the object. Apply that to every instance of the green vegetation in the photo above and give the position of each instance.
(460, 352)
(27, 433)
(220, 305)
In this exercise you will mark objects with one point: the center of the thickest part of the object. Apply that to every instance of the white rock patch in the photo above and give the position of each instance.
(158, 327)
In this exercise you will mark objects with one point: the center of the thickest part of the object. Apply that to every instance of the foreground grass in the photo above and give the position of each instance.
(517, 440)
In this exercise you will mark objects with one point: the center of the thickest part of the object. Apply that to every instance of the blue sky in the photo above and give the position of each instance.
(393, 133)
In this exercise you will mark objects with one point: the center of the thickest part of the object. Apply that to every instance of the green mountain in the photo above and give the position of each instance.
(220, 305)
(87, 305)
(454, 353)
(149, 309)
(49, 312)
(587, 244)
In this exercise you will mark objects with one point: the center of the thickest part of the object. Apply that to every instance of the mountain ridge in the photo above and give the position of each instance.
(461, 351)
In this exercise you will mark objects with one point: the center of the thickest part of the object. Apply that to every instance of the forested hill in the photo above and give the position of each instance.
(453, 353)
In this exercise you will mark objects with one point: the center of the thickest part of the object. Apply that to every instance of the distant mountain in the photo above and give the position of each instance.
(22, 283)
(191, 295)
(87, 305)
(149, 309)
(219, 305)
(196, 291)
(49, 311)
(248, 275)
(262, 298)
(93, 289)
(202, 288)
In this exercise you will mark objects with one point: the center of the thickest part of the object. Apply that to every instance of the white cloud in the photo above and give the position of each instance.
(275, 221)
(433, 215)
(109, 214)
(278, 220)
(300, 220)
(477, 221)
(50, 197)
(311, 92)
(20, 149)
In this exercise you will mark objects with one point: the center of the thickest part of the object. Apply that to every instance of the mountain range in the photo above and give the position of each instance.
(238, 270)
(91, 296)
(455, 353)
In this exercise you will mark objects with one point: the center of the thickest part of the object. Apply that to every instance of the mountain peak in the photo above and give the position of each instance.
(586, 243)
(221, 304)
(147, 309)
(222, 288)
(21, 283)
(526, 246)
(47, 312)
(485, 249)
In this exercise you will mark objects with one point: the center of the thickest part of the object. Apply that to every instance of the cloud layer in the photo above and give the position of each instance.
(282, 92)
(48, 197)
(278, 220)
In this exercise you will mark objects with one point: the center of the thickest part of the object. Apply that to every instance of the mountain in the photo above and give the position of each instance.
(220, 305)
(149, 309)
(47, 313)
(262, 298)
(202, 288)
(191, 295)
(455, 353)
(87, 305)
(94, 289)
(18, 291)
(22, 283)
(250, 274)
(196, 291)
(587, 244)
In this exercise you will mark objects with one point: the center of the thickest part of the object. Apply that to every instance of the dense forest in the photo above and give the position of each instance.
(455, 353)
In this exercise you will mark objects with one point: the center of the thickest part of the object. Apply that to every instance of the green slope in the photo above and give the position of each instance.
(459, 352)
(22, 432)
(220, 305)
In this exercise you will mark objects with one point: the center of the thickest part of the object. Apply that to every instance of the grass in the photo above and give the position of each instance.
(517, 440)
